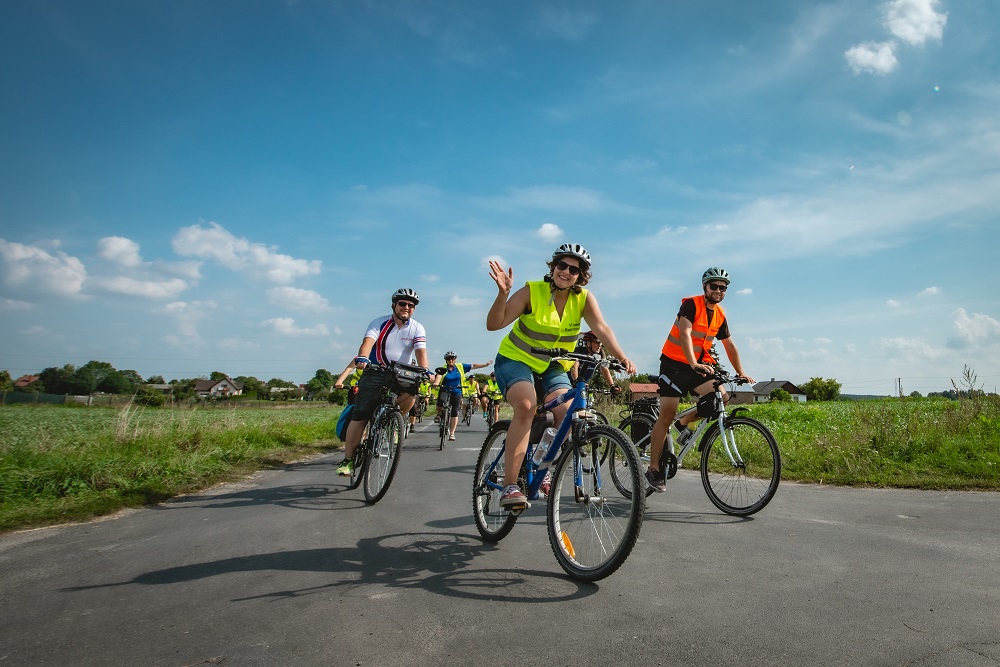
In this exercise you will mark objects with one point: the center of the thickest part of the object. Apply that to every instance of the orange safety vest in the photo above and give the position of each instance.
(702, 335)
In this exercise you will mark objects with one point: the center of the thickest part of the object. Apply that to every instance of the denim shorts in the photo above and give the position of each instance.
(509, 372)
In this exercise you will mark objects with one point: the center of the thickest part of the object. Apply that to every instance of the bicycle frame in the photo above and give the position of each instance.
(535, 473)
(719, 415)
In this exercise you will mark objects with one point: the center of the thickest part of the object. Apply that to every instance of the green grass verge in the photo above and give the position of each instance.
(63, 464)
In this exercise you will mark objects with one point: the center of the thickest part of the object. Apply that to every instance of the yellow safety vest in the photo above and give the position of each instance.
(543, 327)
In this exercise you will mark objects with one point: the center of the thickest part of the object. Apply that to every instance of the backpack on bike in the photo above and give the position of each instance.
(342, 422)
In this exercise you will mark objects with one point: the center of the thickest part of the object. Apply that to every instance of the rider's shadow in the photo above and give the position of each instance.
(436, 562)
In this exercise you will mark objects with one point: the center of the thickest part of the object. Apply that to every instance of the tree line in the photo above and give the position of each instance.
(102, 377)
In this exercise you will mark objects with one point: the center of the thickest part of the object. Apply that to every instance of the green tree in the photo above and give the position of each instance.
(60, 380)
(252, 387)
(155, 379)
(6, 382)
(97, 376)
(218, 375)
(132, 378)
(324, 378)
(779, 395)
(818, 389)
(183, 389)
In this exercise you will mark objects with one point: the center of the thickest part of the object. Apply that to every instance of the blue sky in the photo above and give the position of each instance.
(239, 185)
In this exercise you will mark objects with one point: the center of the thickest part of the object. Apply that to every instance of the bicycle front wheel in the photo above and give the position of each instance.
(387, 446)
(742, 479)
(592, 523)
(493, 522)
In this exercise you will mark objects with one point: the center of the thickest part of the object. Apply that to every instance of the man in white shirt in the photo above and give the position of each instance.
(394, 337)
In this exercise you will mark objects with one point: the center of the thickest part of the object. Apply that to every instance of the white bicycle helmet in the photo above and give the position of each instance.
(573, 250)
(405, 293)
(715, 273)
(450, 355)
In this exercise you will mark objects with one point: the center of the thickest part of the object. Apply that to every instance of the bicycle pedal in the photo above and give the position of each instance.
(515, 510)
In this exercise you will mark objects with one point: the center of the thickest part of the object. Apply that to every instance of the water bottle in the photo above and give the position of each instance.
(543, 445)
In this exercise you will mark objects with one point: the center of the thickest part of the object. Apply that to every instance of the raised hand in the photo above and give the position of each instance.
(503, 279)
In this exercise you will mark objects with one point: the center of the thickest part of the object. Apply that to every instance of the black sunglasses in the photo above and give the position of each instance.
(573, 270)
(407, 304)
(718, 286)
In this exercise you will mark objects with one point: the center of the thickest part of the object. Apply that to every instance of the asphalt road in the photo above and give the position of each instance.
(290, 568)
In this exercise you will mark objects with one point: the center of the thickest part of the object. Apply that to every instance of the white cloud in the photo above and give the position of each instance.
(151, 289)
(430, 278)
(915, 21)
(930, 291)
(286, 327)
(912, 21)
(746, 291)
(239, 254)
(14, 304)
(549, 232)
(910, 350)
(975, 329)
(238, 345)
(872, 57)
(186, 316)
(459, 301)
(31, 271)
(120, 250)
(892, 303)
(36, 330)
(299, 299)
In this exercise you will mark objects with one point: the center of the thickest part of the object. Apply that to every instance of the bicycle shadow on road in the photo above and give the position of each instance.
(698, 518)
(308, 496)
(434, 562)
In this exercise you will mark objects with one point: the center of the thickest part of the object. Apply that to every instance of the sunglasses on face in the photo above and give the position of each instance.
(573, 270)
(718, 286)
(406, 304)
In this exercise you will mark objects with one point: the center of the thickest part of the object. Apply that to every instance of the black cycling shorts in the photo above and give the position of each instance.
(677, 378)
(450, 400)
(370, 390)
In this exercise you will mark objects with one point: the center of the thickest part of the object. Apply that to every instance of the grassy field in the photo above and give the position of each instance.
(64, 463)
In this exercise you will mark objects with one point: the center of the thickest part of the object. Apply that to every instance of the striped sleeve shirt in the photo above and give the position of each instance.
(394, 343)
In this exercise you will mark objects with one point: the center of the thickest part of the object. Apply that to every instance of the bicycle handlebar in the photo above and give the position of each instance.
(586, 357)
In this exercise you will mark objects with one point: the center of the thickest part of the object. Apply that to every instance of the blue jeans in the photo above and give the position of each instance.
(510, 371)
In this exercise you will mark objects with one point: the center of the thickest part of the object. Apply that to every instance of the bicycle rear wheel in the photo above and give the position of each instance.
(387, 446)
(493, 522)
(593, 527)
(744, 484)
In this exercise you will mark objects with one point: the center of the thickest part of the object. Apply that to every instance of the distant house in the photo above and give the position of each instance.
(742, 395)
(218, 388)
(24, 381)
(762, 391)
(162, 388)
(638, 390)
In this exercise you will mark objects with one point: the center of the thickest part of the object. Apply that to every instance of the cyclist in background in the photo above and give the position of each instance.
(547, 314)
(452, 386)
(349, 377)
(685, 361)
(589, 344)
(394, 337)
(492, 397)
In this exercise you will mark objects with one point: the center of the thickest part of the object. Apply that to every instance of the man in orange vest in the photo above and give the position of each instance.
(685, 361)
